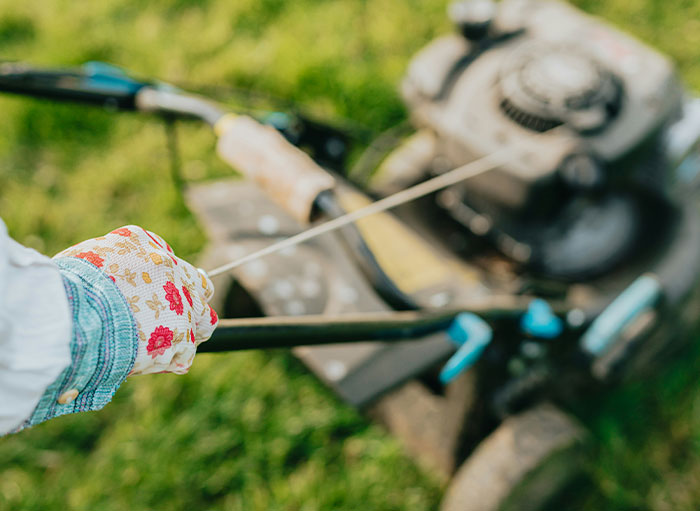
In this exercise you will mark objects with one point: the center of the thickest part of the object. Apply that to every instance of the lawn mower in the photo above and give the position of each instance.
(550, 249)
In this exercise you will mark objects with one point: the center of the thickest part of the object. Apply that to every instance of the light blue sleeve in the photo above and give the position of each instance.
(103, 347)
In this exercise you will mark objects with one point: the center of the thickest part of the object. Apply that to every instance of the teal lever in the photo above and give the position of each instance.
(472, 334)
(540, 321)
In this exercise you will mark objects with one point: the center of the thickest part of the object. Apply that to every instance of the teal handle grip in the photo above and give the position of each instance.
(108, 78)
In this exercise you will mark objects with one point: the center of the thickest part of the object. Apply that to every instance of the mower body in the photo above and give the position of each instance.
(597, 191)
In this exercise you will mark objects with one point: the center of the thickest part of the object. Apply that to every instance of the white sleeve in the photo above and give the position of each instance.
(35, 329)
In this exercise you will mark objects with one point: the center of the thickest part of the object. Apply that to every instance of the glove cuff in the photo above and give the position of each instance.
(103, 346)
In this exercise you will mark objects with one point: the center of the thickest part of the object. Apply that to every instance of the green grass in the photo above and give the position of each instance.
(255, 431)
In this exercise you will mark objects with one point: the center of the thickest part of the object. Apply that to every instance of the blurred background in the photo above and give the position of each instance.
(256, 431)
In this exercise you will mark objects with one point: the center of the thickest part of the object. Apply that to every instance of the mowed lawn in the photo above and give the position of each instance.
(256, 431)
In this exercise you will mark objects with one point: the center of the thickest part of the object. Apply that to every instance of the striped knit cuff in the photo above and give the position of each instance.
(103, 348)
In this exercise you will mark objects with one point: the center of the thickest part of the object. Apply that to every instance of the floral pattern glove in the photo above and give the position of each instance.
(167, 295)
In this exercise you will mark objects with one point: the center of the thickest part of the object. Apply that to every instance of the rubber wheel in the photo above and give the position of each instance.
(525, 462)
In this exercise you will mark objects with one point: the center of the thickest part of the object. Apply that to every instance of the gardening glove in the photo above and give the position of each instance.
(167, 295)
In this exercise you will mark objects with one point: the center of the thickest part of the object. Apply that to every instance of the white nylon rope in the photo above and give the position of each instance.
(450, 178)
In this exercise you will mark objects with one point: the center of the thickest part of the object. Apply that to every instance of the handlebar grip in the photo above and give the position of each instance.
(287, 174)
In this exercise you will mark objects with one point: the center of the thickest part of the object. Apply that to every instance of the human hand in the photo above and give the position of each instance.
(167, 295)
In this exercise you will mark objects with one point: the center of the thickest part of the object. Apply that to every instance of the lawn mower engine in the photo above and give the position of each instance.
(580, 112)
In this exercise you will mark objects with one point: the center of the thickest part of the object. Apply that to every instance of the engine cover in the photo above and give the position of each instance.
(556, 66)
(544, 87)
(579, 104)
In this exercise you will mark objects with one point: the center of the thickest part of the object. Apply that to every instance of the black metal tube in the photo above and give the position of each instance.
(287, 332)
(62, 85)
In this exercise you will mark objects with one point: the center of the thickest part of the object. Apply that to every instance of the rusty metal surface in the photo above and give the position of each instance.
(319, 278)
(316, 278)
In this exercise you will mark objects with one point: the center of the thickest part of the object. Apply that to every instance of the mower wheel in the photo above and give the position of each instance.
(525, 462)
